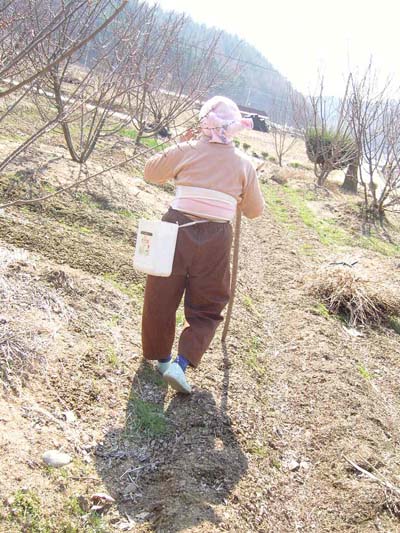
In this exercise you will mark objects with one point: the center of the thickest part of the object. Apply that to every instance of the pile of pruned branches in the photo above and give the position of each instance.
(344, 292)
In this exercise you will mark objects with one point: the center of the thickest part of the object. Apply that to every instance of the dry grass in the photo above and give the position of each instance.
(29, 320)
(16, 357)
(345, 292)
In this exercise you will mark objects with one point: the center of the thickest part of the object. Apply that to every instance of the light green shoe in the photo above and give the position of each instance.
(175, 377)
(163, 367)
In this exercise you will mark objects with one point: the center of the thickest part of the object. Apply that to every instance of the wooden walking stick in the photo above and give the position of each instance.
(235, 264)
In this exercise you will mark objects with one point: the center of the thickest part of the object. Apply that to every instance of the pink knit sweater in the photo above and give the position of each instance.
(219, 167)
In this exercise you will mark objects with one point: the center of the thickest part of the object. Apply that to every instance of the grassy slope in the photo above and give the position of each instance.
(261, 444)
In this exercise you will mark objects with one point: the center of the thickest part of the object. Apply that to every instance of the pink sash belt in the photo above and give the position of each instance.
(205, 203)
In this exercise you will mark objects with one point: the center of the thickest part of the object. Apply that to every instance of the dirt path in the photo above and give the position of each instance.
(320, 407)
(260, 446)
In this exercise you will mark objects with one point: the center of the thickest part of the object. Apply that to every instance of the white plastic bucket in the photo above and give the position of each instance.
(155, 247)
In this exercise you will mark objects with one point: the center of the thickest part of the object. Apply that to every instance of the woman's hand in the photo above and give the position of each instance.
(188, 135)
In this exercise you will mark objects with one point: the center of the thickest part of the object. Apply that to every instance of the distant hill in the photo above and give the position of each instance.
(258, 84)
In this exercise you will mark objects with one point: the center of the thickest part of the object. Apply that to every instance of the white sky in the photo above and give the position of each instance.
(302, 37)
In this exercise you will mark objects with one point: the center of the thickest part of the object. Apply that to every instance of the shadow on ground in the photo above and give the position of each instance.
(176, 458)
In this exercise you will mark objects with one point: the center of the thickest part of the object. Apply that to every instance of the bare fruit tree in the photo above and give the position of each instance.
(19, 37)
(20, 69)
(281, 116)
(139, 71)
(138, 63)
(374, 117)
(173, 74)
(327, 132)
(95, 81)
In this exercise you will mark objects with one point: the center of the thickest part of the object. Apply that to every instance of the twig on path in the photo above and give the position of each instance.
(343, 263)
(378, 479)
(86, 478)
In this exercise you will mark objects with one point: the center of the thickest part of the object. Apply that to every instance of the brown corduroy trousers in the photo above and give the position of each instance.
(201, 272)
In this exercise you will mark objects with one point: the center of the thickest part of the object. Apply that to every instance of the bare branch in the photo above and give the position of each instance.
(68, 52)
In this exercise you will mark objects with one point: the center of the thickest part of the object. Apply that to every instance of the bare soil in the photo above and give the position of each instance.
(263, 443)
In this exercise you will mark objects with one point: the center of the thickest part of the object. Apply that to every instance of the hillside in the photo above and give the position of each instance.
(263, 443)
(253, 81)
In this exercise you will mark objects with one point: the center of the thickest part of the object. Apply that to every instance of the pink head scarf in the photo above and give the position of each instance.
(220, 120)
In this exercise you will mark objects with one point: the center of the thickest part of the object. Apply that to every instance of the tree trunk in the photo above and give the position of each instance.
(322, 178)
(351, 179)
(139, 136)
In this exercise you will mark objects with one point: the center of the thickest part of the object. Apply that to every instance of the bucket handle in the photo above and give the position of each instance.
(193, 223)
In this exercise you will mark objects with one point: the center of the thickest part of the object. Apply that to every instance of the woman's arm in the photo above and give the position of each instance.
(164, 166)
(252, 204)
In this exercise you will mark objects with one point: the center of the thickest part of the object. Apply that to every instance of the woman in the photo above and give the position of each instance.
(212, 178)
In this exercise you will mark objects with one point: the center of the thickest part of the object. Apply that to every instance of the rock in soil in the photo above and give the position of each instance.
(56, 458)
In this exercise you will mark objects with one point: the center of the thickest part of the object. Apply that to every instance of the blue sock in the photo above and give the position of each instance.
(182, 362)
(166, 360)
